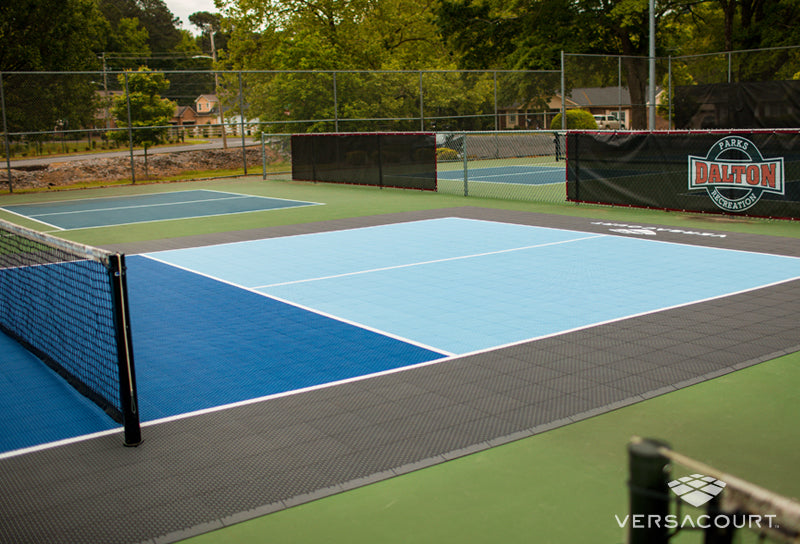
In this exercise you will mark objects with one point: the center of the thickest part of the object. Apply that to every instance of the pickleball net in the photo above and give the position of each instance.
(67, 304)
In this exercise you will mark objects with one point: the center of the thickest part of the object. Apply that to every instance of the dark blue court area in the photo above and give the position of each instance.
(122, 210)
(209, 343)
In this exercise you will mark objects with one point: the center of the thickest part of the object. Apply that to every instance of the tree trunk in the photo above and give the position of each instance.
(729, 9)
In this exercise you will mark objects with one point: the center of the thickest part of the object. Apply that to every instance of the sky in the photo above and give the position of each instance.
(183, 8)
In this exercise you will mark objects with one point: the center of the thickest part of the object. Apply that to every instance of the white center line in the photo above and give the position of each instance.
(422, 263)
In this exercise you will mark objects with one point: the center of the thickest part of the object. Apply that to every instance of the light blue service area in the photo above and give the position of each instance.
(461, 285)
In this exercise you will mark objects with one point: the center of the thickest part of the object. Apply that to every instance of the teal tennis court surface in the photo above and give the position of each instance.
(225, 324)
(103, 212)
(516, 174)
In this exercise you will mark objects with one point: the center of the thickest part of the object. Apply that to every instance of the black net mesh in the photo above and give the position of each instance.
(57, 299)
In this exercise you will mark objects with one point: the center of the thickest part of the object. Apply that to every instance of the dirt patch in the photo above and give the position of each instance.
(114, 169)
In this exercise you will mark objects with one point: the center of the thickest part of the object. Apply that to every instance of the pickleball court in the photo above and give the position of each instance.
(221, 325)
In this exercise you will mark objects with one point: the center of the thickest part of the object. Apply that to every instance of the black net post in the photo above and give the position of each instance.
(127, 376)
(649, 492)
(718, 532)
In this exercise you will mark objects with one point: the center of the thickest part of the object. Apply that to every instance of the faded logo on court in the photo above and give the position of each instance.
(697, 489)
(735, 174)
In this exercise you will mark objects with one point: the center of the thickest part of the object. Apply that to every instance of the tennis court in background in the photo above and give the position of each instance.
(122, 210)
(516, 174)
(225, 324)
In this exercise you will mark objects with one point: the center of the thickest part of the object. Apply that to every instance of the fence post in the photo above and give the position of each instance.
(563, 97)
(5, 134)
(496, 118)
(671, 97)
(335, 104)
(130, 127)
(649, 493)
(619, 92)
(464, 154)
(241, 123)
(421, 105)
(263, 158)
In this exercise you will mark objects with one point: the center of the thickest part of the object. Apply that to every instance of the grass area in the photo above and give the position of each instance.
(565, 485)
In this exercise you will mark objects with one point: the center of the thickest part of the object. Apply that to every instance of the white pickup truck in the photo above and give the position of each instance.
(608, 122)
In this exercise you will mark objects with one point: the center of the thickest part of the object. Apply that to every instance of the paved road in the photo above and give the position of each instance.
(41, 161)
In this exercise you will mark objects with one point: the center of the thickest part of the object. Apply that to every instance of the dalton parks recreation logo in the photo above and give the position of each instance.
(735, 174)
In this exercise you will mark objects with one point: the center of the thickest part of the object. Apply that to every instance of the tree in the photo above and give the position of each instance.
(149, 113)
(154, 16)
(576, 120)
(529, 34)
(49, 35)
(318, 35)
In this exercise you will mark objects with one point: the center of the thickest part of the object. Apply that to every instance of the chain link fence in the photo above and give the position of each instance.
(51, 121)
(511, 165)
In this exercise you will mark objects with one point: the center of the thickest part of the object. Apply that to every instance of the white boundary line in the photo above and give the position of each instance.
(447, 356)
(180, 203)
(302, 204)
(57, 443)
(28, 218)
(306, 308)
(193, 217)
(320, 233)
(187, 415)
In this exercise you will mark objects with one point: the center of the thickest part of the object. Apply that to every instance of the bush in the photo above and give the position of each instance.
(446, 154)
(576, 119)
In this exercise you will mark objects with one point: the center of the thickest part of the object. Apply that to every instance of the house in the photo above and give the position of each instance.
(531, 116)
(102, 116)
(606, 101)
(207, 108)
(184, 116)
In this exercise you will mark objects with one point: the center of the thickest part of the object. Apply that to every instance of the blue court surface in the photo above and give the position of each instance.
(517, 174)
(122, 210)
(225, 324)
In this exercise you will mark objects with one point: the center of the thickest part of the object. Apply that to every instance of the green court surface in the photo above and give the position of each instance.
(344, 201)
(565, 485)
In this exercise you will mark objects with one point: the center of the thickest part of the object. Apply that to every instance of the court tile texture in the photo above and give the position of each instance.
(204, 472)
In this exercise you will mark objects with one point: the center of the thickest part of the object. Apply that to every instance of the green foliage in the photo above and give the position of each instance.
(330, 35)
(446, 154)
(576, 120)
(153, 15)
(50, 35)
(128, 36)
(149, 113)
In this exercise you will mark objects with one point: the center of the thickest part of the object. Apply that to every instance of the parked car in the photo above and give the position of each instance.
(608, 122)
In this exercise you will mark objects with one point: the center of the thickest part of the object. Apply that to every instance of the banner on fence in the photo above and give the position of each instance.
(403, 160)
(750, 173)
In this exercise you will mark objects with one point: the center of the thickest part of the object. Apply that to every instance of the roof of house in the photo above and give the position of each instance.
(601, 96)
(180, 111)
